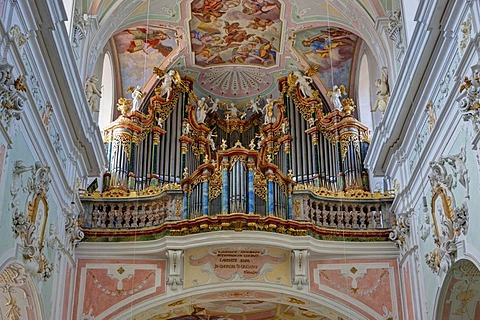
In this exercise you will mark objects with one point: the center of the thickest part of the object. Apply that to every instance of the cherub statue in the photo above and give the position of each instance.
(214, 106)
(223, 146)
(137, 96)
(253, 105)
(336, 94)
(167, 83)
(460, 170)
(210, 137)
(383, 92)
(92, 92)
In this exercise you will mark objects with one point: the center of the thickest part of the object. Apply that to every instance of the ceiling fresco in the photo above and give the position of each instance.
(140, 49)
(246, 32)
(235, 49)
(331, 50)
(239, 305)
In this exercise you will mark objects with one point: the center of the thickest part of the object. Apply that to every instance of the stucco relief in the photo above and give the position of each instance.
(18, 294)
(370, 286)
(107, 287)
(447, 220)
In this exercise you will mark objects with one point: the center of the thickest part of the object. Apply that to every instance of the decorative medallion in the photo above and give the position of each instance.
(235, 82)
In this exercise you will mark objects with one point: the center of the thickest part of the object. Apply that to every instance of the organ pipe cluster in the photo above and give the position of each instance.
(231, 159)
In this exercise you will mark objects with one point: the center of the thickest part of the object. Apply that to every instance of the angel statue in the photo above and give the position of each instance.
(303, 82)
(254, 105)
(168, 79)
(336, 94)
(137, 96)
(383, 92)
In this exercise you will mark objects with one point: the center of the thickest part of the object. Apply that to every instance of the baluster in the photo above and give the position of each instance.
(370, 219)
(120, 216)
(103, 218)
(149, 214)
(331, 216)
(142, 216)
(95, 218)
(340, 217)
(128, 217)
(355, 215)
(134, 217)
(362, 220)
(156, 214)
(348, 219)
(318, 214)
(110, 215)
(162, 212)
(378, 216)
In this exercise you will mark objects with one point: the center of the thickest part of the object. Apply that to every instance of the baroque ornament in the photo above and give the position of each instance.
(401, 231)
(12, 96)
(30, 227)
(447, 221)
(470, 98)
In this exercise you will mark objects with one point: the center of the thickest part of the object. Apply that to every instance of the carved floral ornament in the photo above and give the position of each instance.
(446, 221)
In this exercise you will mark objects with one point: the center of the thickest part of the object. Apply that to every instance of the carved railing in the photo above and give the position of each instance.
(123, 209)
(350, 210)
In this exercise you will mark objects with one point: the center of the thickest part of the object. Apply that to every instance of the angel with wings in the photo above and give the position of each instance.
(336, 94)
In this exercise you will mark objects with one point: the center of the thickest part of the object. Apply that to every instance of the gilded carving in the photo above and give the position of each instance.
(30, 228)
(12, 95)
(447, 220)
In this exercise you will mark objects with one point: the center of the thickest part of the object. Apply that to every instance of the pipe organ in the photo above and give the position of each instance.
(230, 159)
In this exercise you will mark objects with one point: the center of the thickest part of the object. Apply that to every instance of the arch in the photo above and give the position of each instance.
(107, 99)
(459, 296)
(181, 306)
(19, 292)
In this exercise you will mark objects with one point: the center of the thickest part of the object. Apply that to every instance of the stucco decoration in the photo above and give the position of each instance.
(175, 268)
(370, 287)
(300, 271)
(18, 36)
(395, 26)
(460, 293)
(12, 96)
(470, 98)
(108, 287)
(466, 32)
(448, 221)
(29, 221)
(401, 231)
(18, 294)
(80, 24)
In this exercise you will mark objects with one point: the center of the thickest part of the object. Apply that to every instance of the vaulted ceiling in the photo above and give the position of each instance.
(236, 49)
